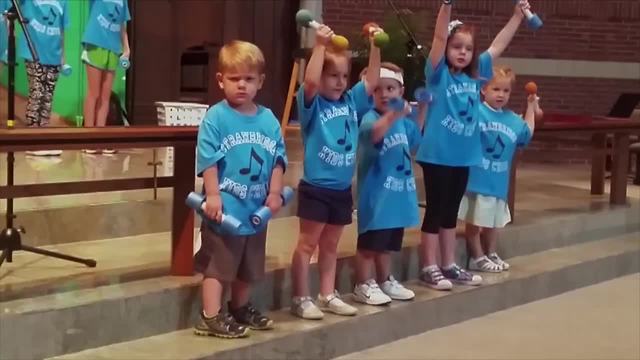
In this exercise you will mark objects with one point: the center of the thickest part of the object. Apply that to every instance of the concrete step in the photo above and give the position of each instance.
(147, 255)
(66, 321)
(533, 277)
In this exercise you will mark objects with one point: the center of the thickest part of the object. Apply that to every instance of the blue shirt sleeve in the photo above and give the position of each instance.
(413, 134)
(127, 14)
(281, 152)
(432, 75)
(524, 135)
(366, 128)
(209, 139)
(65, 16)
(306, 112)
(485, 67)
(362, 100)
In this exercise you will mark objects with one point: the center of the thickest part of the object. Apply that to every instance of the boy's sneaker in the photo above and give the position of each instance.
(303, 306)
(369, 293)
(251, 317)
(334, 304)
(496, 259)
(222, 325)
(395, 290)
(432, 277)
(460, 276)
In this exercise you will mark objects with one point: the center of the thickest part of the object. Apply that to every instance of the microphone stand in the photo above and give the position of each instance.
(10, 240)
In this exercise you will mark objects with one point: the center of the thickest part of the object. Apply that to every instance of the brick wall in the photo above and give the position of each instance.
(595, 30)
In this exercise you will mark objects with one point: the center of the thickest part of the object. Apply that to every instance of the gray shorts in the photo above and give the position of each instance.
(229, 258)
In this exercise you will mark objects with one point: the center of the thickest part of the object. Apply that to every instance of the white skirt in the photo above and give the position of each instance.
(484, 211)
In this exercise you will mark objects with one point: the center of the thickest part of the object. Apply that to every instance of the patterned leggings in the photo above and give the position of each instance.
(42, 83)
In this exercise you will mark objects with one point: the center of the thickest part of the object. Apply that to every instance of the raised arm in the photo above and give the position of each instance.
(373, 70)
(313, 72)
(533, 107)
(505, 35)
(440, 34)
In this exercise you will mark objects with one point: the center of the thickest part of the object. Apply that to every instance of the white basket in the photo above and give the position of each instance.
(180, 113)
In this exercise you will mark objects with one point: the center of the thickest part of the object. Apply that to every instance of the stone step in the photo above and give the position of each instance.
(66, 322)
(532, 277)
(131, 258)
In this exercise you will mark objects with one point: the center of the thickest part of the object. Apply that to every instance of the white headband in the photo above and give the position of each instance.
(388, 74)
(453, 25)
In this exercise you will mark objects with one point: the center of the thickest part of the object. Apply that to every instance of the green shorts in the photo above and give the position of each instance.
(100, 58)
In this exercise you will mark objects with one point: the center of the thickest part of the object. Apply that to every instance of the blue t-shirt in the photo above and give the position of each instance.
(47, 21)
(386, 185)
(451, 136)
(4, 33)
(245, 149)
(105, 24)
(330, 136)
(501, 132)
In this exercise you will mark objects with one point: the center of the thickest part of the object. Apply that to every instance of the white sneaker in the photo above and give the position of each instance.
(395, 290)
(334, 304)
(109, 151)
(369, 293)
(303, 306)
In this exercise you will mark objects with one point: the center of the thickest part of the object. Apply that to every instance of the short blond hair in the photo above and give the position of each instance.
(504, 72)
(240, 53)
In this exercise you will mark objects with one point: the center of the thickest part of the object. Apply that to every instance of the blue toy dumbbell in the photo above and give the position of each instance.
(124, 62)
(229, 223)
(422, 95)
(263, 214)
(533, 21)
(66, 70)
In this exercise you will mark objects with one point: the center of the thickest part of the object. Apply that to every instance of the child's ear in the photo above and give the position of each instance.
(401, 91)
(262, 76)
(219, 80)
(483, 91)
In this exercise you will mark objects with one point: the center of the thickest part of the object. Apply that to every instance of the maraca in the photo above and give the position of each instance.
(422, 95)
(305, 18)
(533, 21)
(532, 89)
(229, 223)
(66, 70)
(380, 38)
(263, 214)
(124, 62)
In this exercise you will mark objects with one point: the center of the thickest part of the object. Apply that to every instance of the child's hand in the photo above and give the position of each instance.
(521, 6)
(534, 100)
(213, 207)
(406, 110)
(323, 35)
(274, 202)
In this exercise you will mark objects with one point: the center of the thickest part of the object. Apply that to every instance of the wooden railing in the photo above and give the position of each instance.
(183, 139)
(598, 128)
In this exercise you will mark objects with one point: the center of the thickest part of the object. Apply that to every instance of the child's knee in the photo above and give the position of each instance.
(306, 246)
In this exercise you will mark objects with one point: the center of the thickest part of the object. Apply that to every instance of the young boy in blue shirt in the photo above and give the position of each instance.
(241, 157)
(387, 200)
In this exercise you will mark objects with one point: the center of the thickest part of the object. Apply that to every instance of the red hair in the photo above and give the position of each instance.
(472, 68)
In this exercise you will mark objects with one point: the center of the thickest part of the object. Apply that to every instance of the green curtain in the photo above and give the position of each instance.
(70, 90)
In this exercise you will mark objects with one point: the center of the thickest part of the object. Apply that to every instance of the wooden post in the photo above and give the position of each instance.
(619, 168)
(598, 159)
(182, 217)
